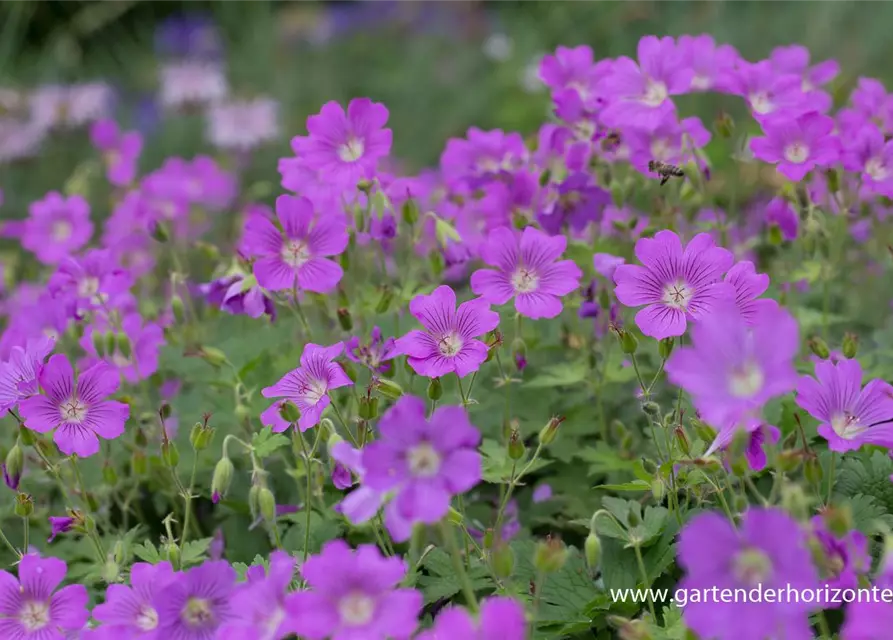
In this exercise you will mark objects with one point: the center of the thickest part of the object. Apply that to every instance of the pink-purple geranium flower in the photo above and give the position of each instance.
(197, 603)
(376, 354)
(423, 461)
(354, 594)
(76, 408)
(749, 286)
(448, 344)
(129, 611)
(57, 227)
(120, 149)
(780, 212)
(528, 270)
(500, 617)
(20, 371)
(239, 295)
(144, 339)
(797, 145)
(850, 416)
(674, 283)
(298, 255)
(94, 281)
(308, 387)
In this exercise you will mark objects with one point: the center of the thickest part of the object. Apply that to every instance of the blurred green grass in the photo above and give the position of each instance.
(436, 83)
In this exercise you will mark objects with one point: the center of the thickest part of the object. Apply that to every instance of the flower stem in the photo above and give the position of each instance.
(513, 482)
(307, 508)
(461, 391)
(187, 499)
(645, 581)
(459, 566)
(338, 415)
(26, 526)
(831, 470)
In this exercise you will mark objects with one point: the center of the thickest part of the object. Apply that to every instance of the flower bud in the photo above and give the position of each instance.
(740, 504)
(267, 504)
(617, 194)
(788, 460)
(516, 446)
(665, 347)
(110, 571)
(368, 408)
(812, 470)
(111, 342)
(253, 501)
(724, 125)
(454, 517)
(222, 478)
(633, 519)
(776, 237)
(850, 345)
(550, 431)
(109, 475)
(819, 347)
(682, 439)
(200, 436)
(833, 180)
(838, 519)
(24, 505)
(592, 549)
(658, 490)
(388, 388)
(124, 346)
(170, 454)
(435, 259)
(629, 344)
(384, 301)
(160, 232)
(171, 552)
(703, 430)
(138, 463)
(435, 389)
(15, 464)
(99, 343)
(344, 319)
(177, 309)
(550, 555)
(289, 412)
(545, 176)
(410, 212)
(651, 409)
(503, 560)
(213, 356)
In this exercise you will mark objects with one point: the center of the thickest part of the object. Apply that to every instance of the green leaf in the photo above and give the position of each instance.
(147, 552)
(635, 485)
(265, 442)
(565, 374)
(195, 551)
(497, 466)
(603, 459)
(441, 581)
(321, 531)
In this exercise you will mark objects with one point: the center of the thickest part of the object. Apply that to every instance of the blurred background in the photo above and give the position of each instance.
(440, 67)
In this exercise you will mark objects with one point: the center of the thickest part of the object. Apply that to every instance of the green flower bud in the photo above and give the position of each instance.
(545, 176)
(124, 347)
(516, 446)
(435, 389)
(740, 504)
(109, 475)
(289, 412)
(454, 517)
(550, 555)
(651, 409)
(160, 232)
(27, 437)
(344, 319)
(388, 388)
(267, 504)
(139, 465)
(503, 561)
(110, 571)
(140, 438)
(118, 552)
(384, 301)
(788, 460)
(795, 501)
(332, 441)
(776, 237)
(550, 431)
(617, 194)
(165, 411)
(222, 478)
(213, 356)
(592, 549)
(435, 258)
(703, 430)
(15, 464)
(368, 408)
(633, 519)
(833, 180)
(724, 125)
(171, 552)
(170, 454)
(850, 345)
(99, 343)
(812, 470)
(24, 505)
(200, 436)
(838, 519)
(658, 490)
(629, 344)
(819, 347)
(254, 501)
(410, 212)
(111, 342)
(665, 347)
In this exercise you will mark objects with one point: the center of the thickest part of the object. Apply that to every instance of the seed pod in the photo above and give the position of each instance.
(550, 431)
(516, 446)
(200, 436)
(170, 454)
(435, 389)
(267, 504)
(410, 212)
(850, 345)
(388, 388)
(550, 555)
(24, 505)
(289, 412)
(665, 347)
(819, 347)
(592, 549)
(503, 561)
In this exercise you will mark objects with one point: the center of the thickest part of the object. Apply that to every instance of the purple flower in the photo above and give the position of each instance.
(57, 227)
(795, 59)
(797, 145)
(262, 603)
(76, 408)
(238, 294)
(842, 559)
(19, 373)
(759, 435)
(639, 94)
(424, 462)
(570, 68)
(542, 493)
(868, 152)
(346, 147)
(768, 91)
(341, 476)
(500, 617)
(307, 386)
(375, 354)
(91, 282)
(447, 344)
(363, 502)
(674, 283)
(850, 415)
(353, 594)
(606, 264)
(749, 285)
(483, 155)
(120, 150)
(712, 66)
(130, 611)
(573, 204)
(781, 213)
(769, 549)
(528, 270)
(297, 259)
(197, 603)
(145, 340)
(59, 525)
(734, 367)
(669, 141)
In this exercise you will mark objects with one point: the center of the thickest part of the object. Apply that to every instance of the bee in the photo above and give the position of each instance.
(611, 141)
(665, 171)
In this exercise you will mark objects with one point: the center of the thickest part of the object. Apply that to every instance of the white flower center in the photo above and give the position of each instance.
(700, 82)
(272, 621)
(746, 381)
(120, 361)
(88, 287)
(655, 93)
(846, 425)
(147, 618)
(73, 410)
(424, 461)
(580, 88)
(660, 149)
(295, 253)
(449, 345)
(62, 230)
(678, 295)
(34, 615)
(752, 566)
(876, 169)
(524, 280)
(352, 150)
(761, 103)
(197, 612)
(356, 609)
(313, 391)
(796, 152)
(806, 86)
